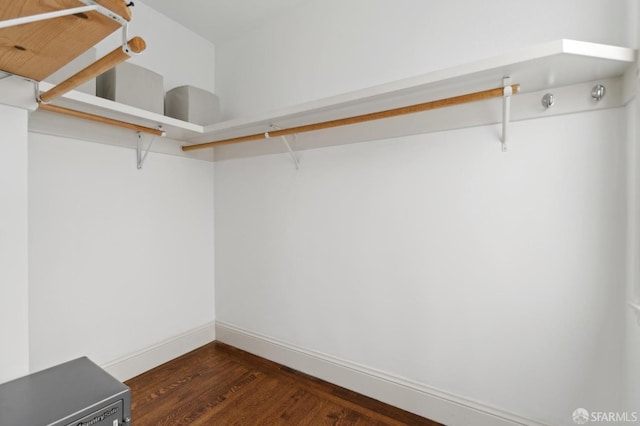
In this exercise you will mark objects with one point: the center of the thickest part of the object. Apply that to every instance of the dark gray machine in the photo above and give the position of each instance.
(76, 393)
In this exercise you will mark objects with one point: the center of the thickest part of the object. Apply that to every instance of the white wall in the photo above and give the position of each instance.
(632, 340)
(495, 277)
(14, 287)
(324, 48)
(178, 54)
(633, 266)
(120, 258)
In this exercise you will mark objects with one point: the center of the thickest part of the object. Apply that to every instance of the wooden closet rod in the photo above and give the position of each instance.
(441, 103)
(117, 56)
(100, 119)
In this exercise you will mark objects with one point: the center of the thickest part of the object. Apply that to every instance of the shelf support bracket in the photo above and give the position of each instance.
(291, 151)
(506, 109)
(139, 155)
(273, 127)
(635, 307)
(49, 15)
(120, 20)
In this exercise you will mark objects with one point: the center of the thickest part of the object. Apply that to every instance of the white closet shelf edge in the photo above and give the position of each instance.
(550, 65)
(554, 64)
(97, 105)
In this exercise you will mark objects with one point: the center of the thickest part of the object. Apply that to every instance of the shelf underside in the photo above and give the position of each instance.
(38, 49)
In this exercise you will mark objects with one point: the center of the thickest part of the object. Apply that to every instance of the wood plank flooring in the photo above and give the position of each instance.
(221, 385)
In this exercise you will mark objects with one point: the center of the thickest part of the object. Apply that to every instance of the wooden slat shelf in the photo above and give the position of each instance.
(36, 50)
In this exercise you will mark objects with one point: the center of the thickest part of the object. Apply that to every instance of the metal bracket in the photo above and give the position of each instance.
(125, 41)
(506, 109)
(119, 19)
(140, 157)
(36, 90)
(291, 152)
(50, 15)
(106, 12)
(286, 143)
(636, 308)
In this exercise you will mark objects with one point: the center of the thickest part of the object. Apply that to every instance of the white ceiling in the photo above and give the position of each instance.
(219, 20)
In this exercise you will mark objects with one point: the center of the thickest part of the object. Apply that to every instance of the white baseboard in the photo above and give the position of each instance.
(153, 356)
(415, 397)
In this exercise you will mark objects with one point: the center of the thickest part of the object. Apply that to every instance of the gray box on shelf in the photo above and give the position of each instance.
(133, 85)
(188, 103)
(79, 63)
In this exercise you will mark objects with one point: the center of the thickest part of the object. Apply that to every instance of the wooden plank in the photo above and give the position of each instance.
(36, 50)
(219, 384)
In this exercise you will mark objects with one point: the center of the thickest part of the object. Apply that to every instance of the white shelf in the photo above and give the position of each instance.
(552, 65)
(555, 64)
(176, 129)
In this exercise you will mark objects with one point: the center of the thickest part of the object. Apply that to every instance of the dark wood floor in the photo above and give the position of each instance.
(221, 385)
